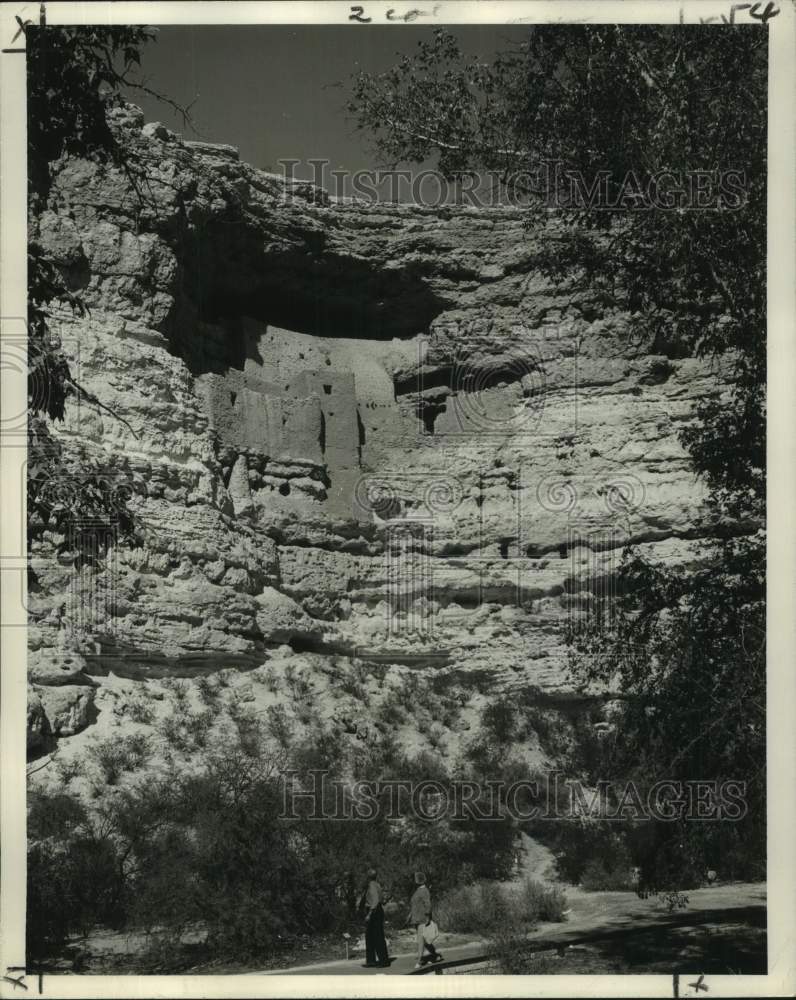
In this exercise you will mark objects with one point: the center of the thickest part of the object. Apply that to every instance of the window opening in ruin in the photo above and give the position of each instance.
(284, 489)
(503, 546)
(328, 390)
(322, 435)
(232, 397)
(428, 413)
(361, 435)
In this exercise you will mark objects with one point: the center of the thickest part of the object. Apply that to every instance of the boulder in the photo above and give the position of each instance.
(156, 130)
(68, 709)
(56, 667)
(281, 619)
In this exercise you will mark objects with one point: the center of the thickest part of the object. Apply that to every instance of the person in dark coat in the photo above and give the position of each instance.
(375, 943)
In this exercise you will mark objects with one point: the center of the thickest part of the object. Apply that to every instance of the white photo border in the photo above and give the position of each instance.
(781, 446)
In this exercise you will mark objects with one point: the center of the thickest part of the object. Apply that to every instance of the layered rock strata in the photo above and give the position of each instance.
(374, 431)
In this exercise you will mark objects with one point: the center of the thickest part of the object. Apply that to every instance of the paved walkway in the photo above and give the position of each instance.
(593, 916)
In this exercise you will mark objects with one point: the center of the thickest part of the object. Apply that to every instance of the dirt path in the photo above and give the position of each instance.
(537, 861)
(593, 916)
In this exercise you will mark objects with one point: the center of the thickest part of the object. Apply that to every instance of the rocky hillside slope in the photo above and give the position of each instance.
(360, 434)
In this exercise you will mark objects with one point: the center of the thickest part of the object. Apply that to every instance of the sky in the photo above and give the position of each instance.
(279, 92)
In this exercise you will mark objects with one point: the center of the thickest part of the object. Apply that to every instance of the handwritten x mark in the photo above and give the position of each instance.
(16, 982)
(22, 25)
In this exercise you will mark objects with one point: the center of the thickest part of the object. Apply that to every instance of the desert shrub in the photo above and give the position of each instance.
(298, 684)
(475, 908)
(578, 843)
(187, 732)
(353, 686)
(488, 906)
(362, 671)
(495, 904)
(278, 725)
(272, 681)
(499, 719)
(485, 759)
(410, 693)
(170, 728)
(423, 721)
(600, 875)
(675, 900)
(208, 690)
(551, 729)
(537, 901)
(115, 756)
(139, 710)
(440, 684)
(251, 730)
(305, 714)
(197, 726)
(68, 770)
(391, 712)
(435, 734)
(448, 717)
(459, 910)
(179, 690)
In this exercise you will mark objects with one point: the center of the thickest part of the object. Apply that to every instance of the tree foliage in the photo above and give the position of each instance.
(74, 76)
(239, 842)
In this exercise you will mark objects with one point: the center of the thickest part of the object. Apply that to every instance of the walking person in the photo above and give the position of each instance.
(420, 918)
(372, 904)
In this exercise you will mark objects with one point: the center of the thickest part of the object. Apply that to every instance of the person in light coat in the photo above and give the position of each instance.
(419, 918)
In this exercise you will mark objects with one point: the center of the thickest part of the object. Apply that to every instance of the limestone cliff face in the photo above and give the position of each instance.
(370, 431)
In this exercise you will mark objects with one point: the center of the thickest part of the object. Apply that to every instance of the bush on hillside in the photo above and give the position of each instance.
(486, 907)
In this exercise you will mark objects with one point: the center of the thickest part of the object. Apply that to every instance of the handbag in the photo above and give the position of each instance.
(430, 932)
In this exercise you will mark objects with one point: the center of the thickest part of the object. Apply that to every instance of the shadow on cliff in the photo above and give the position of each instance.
(229, 271)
